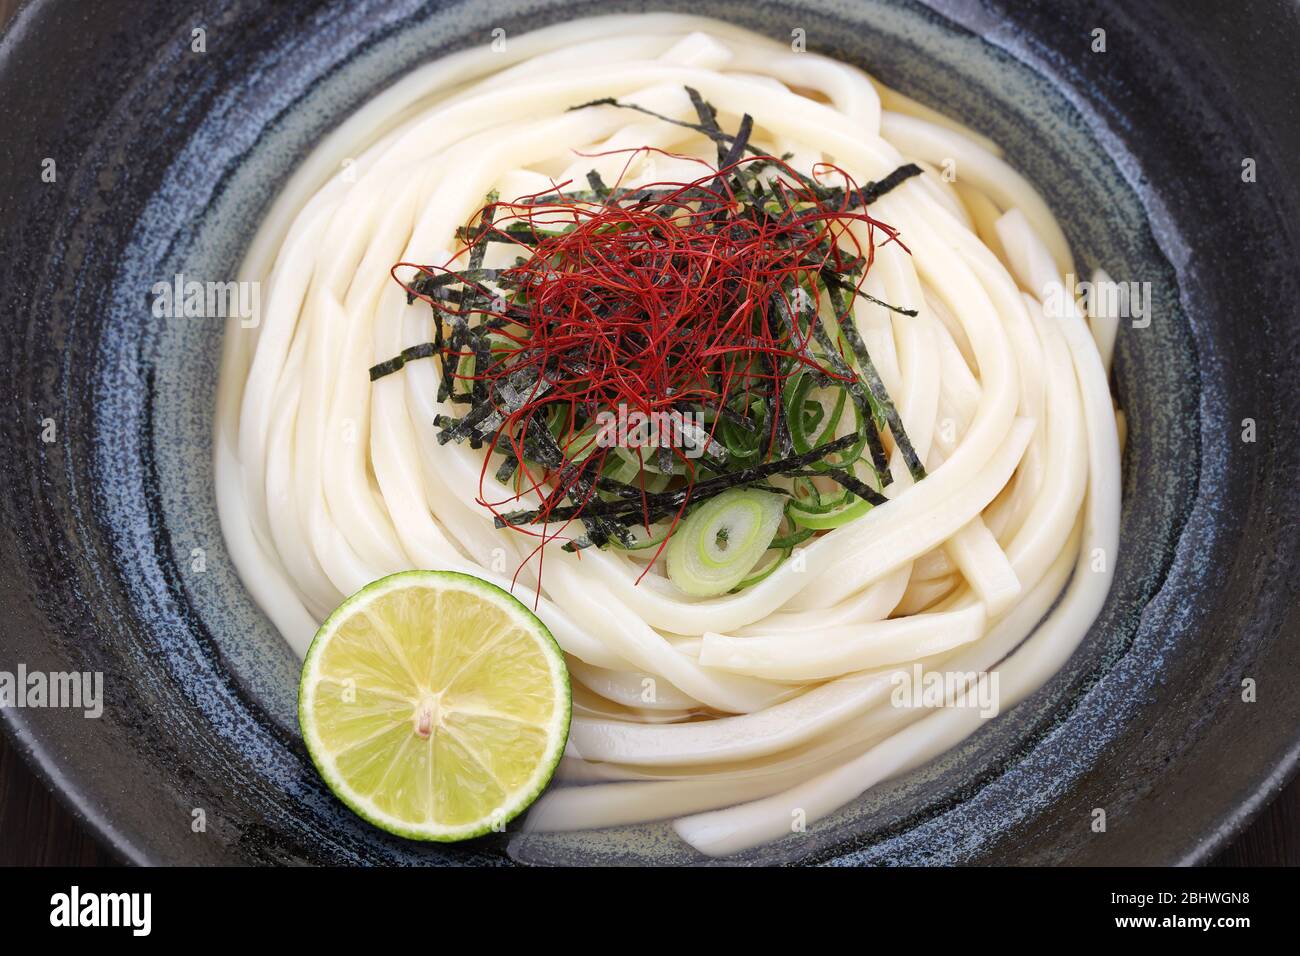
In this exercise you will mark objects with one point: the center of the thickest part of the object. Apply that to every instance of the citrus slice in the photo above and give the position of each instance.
(434, 705)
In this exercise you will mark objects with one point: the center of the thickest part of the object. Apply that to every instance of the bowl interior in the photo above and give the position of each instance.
(204, 688)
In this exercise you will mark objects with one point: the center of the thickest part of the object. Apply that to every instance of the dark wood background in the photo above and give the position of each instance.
(35, 830)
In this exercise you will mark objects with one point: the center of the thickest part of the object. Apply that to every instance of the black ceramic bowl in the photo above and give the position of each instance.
(110, 555)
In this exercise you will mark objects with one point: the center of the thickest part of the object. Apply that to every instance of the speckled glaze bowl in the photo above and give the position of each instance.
(111, 559)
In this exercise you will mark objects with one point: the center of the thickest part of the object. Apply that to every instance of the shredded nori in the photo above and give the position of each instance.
(389, 366)
(665, 503)
(605, 507)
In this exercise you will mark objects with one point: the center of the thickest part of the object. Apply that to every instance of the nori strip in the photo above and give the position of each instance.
(867, 368)
(468, 295)
(479, 390)
(830, 279)
(873, 191)
(852, 483)
(598, 186)
(669, 501)
(508, 467)
(664, 458)
(389, 366)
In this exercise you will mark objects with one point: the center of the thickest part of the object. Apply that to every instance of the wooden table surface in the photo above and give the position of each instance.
(35, 830)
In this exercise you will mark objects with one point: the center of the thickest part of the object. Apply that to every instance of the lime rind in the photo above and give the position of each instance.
(520, 797)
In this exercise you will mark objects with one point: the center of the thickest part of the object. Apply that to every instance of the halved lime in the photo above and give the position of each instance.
(434, 705)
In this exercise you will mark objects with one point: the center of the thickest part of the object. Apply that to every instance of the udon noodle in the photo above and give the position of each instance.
(728, 715)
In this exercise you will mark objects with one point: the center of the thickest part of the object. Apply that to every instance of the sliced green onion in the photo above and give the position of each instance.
(742, 445)
(812, 500)
(804, 491)
(774, 558)
(641, 540)
(646, 467)
(617, 468)
(823, 519)
(719, 543)
(807, 412)
(788, 534)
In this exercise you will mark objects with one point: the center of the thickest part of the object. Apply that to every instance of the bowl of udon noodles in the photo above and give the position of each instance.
(975, 541)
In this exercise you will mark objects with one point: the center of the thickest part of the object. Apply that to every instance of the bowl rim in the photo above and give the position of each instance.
(73, 788)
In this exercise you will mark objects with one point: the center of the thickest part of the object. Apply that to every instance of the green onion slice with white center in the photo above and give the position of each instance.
(720, 542)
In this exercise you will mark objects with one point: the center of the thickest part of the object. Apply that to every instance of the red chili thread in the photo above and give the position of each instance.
(648, 304)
